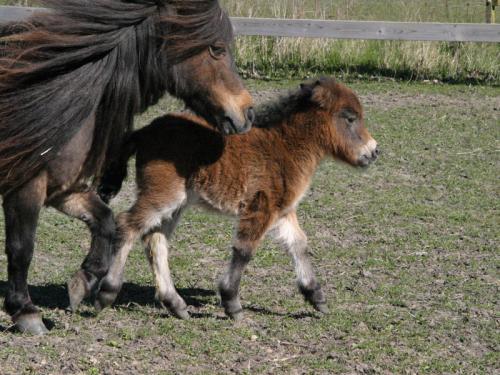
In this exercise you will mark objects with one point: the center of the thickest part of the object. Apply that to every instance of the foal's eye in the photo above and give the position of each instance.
(349, 116)
(217, 51)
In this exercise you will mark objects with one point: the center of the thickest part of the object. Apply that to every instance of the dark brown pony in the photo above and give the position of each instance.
(258, 177)
(71, 81)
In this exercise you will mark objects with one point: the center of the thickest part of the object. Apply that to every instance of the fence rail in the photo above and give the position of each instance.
(448, 32)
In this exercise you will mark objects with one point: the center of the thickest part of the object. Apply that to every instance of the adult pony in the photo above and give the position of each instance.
(71, 81)
(258, 177)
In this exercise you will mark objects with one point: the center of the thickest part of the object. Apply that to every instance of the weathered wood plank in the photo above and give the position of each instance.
(11, 14)
(450, 32)
(459, 32)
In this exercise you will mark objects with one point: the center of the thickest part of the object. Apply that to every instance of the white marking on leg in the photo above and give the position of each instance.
(155, 219)
(288, 232)
(157, 252)
(115, 273)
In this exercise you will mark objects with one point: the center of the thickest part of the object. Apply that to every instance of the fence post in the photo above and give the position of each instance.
(491, 11)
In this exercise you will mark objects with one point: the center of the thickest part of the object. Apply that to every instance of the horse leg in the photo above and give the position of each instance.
(288, 232)
(21, 210)
(88, 207)
(112, 282)
(251, 228)
(156, 248)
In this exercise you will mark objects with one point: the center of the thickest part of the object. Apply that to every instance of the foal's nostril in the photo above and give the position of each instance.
(376, 152)
(250, 115)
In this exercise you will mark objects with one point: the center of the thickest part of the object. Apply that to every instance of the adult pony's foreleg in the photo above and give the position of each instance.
(21, 209)
(156, 248)
(251, 228)
(288, 232)
(88, 207)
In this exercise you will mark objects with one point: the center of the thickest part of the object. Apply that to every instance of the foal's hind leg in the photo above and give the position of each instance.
(112, 282)
(156, 248)
(88, 207)
(287, 231)
(21, 210)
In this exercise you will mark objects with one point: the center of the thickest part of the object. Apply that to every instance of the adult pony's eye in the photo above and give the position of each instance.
(217, 51)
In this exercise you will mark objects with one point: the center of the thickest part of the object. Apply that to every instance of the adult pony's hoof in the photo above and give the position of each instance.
(78, 289)
(30, 323)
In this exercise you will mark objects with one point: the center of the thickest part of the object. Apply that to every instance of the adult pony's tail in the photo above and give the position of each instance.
(112, 179)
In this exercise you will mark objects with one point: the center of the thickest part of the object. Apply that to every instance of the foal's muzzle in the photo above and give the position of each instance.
(369, 153)
(366, 159)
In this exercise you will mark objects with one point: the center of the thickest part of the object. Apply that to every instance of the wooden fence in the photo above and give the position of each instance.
(448, 32)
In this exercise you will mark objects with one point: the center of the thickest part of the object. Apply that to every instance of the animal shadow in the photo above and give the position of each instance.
(297, 315)
(144, 295)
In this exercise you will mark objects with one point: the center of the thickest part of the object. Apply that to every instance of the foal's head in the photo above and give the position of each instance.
(201, 67)
(345, 135)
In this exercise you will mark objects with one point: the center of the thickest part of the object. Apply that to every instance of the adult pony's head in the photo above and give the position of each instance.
(199, 64)
(98, 63)
(346, 136)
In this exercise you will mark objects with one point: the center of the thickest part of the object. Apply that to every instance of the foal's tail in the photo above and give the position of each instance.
(112, 179)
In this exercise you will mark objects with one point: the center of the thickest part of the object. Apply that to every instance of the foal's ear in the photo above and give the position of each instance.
(307, 88)
(316, 92)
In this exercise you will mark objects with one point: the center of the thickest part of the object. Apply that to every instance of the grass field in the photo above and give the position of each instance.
(283, 58)
(407, 252)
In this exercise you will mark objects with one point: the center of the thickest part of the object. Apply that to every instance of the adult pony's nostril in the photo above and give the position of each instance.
(376, 153)
(250, 115)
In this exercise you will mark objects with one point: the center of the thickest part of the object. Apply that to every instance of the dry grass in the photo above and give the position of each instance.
(278, 58)
(295, 57)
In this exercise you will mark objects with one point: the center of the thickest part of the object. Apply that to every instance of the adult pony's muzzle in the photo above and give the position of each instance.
(233, 123)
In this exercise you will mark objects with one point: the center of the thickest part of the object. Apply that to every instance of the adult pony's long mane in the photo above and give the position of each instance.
(107, 57)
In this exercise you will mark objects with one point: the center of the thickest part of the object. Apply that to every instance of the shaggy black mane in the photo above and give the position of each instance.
(274, 111)
(107, 57)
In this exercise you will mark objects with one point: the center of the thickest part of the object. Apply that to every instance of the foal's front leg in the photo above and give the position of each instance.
(156, 248)
(288, 232)
(251, 228)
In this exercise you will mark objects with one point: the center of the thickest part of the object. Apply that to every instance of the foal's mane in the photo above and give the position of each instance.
(107, 57)
(273, 112)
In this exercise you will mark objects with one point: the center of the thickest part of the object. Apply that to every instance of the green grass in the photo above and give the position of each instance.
(407, 252)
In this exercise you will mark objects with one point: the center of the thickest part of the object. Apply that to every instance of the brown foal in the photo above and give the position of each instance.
(258, 177)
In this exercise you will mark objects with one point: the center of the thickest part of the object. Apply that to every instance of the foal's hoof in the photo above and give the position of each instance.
(322, 308)
(103, 300)
(181, 314)
(31, 324)
(237, 316)
(78, 288)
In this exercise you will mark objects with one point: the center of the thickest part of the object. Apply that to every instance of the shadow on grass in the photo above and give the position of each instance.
(297, 315)
(53, 296)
